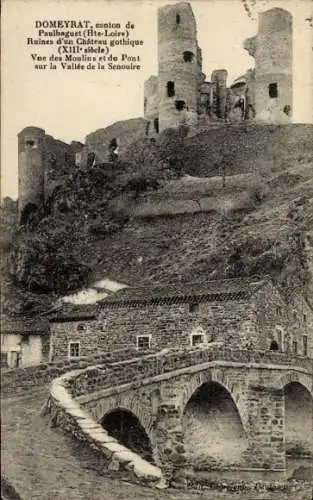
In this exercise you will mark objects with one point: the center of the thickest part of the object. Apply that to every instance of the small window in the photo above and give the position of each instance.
(177, 19)
(274, 346)
(278, 311)
(180, 105)
(73, 350)
(143, 342)
(30, 144)
(81, 327)
(188, 56)
(273, 90)
(193, 307)
(145, 103)
(304, 318)
(156, 125)
(305, 345)
(294, 315)
(170, 89)
(295, 347)
(197, 339)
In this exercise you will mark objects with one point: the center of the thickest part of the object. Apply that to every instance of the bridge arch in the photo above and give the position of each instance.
(125, 426)
(212, 426)
(298, 404)
(302, 378)
(127, 402)
(221, 377)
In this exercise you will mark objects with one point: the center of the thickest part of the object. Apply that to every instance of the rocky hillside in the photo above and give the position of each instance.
(258, 220)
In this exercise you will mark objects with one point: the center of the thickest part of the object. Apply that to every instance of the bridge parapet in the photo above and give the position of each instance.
(135, 370)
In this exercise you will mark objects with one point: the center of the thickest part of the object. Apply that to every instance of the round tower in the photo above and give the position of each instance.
(30, 171)
(272, 50)
(179, 66)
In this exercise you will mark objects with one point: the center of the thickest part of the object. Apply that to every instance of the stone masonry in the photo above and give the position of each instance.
(253, 388)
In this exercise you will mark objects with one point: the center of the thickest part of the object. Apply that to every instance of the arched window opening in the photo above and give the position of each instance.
(156, 125)
(188, 56)
(126, 428)
(274, 346)
(170, 89)
(180, 105)
(213, 431)
(177, 19)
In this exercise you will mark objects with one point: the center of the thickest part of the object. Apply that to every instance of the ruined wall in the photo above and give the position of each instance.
(151, 106)
(125, 132)
(179, 69)
(219, 79)
(273, 53)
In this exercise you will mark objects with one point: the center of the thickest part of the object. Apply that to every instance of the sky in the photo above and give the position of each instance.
(71, 104)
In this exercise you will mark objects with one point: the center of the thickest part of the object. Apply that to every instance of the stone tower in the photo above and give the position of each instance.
(179, 73)
(272, 50)
(31, 175)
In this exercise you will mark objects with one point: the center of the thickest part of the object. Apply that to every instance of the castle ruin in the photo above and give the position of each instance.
(180, 94)
(42, 160)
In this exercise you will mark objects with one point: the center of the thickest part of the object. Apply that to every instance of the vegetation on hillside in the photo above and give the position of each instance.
(80, 233)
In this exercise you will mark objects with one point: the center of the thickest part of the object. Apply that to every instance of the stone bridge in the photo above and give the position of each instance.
(204, 409)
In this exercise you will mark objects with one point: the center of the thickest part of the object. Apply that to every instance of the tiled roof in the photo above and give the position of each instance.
(73, 312)
(24, 325)
(221, 290)
(230, 289)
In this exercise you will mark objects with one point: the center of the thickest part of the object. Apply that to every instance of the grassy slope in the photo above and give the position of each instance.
(263, 236)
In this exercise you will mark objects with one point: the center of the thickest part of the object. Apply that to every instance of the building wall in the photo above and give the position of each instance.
(232, 322)
(65, 332)
(173, 325)
(256, 324)
(24, 350)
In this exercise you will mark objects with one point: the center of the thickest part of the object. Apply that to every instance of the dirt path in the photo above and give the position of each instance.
(44, 463)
